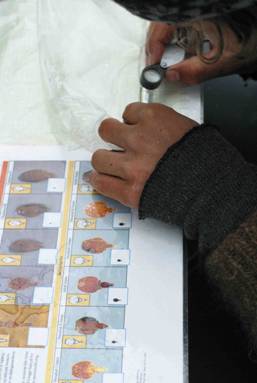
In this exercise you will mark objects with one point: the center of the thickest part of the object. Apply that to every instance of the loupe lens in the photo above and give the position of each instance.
(152, 77)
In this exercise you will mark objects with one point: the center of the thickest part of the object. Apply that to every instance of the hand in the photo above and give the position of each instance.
(194, 70)
(145, 135)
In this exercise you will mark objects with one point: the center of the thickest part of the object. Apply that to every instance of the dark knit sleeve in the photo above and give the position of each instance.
(232, 270)
(203, 184)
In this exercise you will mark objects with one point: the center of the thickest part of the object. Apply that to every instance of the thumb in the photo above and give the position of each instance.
(193, 71)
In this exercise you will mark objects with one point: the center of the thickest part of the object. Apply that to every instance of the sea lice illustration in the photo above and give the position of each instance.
(92, 284)
(4, 298)
(72, 341)
(8, 260)
(86, 370)
(95, 245)
(89, 326)
(79, 261)
(75, 300)
(98, 209)
(15, 223)
(20, 188)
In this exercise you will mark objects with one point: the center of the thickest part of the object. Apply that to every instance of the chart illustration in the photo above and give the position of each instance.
(64, 258)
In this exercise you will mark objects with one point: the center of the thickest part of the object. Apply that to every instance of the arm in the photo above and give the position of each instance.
(191, 176)
(204, 184)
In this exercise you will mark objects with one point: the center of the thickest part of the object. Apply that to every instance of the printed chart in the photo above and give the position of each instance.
(65, 255)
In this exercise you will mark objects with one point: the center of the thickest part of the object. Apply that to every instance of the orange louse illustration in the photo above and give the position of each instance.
(98, 209)
(86, 370)
(92, 285)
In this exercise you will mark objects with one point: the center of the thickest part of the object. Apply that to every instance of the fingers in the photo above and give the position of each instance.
(193, 71)
(120, 134)
(133, 113)
(112, 187)
(115, 132)
(109, 163)
(159, 35)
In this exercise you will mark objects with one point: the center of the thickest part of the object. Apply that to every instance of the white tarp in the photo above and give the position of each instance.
(65, 65)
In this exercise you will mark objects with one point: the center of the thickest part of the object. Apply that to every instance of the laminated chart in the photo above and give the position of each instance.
(88, 292)
(64, 257)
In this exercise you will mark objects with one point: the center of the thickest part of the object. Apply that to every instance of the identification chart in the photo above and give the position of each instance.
(88, 293)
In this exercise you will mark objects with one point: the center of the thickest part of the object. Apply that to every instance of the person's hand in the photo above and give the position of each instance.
(195, 70)
(145, 135)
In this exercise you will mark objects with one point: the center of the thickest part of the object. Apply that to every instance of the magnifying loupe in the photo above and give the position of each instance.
(153, 75)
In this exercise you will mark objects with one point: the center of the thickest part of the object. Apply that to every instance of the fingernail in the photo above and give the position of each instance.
(173, 75)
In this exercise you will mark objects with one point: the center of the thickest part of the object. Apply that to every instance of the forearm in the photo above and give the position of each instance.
(232, 270)
(204, 185)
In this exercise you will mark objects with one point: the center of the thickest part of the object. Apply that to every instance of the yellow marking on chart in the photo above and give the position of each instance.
(60, 263)
(76, 341)
(82, 261)
(15, 223)
(4, 340)
(21, 189)
(10, 260)
(7, 298)
(85, 224)
(78, 300)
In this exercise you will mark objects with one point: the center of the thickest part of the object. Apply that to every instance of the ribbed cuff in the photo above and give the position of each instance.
(203, 184)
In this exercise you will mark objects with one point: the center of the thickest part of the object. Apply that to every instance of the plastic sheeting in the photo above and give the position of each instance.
(64, 66)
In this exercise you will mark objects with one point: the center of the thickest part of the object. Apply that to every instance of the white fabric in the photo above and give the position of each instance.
(64, 65)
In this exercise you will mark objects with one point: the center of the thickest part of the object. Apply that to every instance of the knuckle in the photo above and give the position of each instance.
(130, 108)
(138, 174)
(149, 112)
(133, 194)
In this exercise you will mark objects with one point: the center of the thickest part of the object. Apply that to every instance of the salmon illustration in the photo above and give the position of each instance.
(25, 246)
(35, 175)
(20, 283)
(31, 210)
